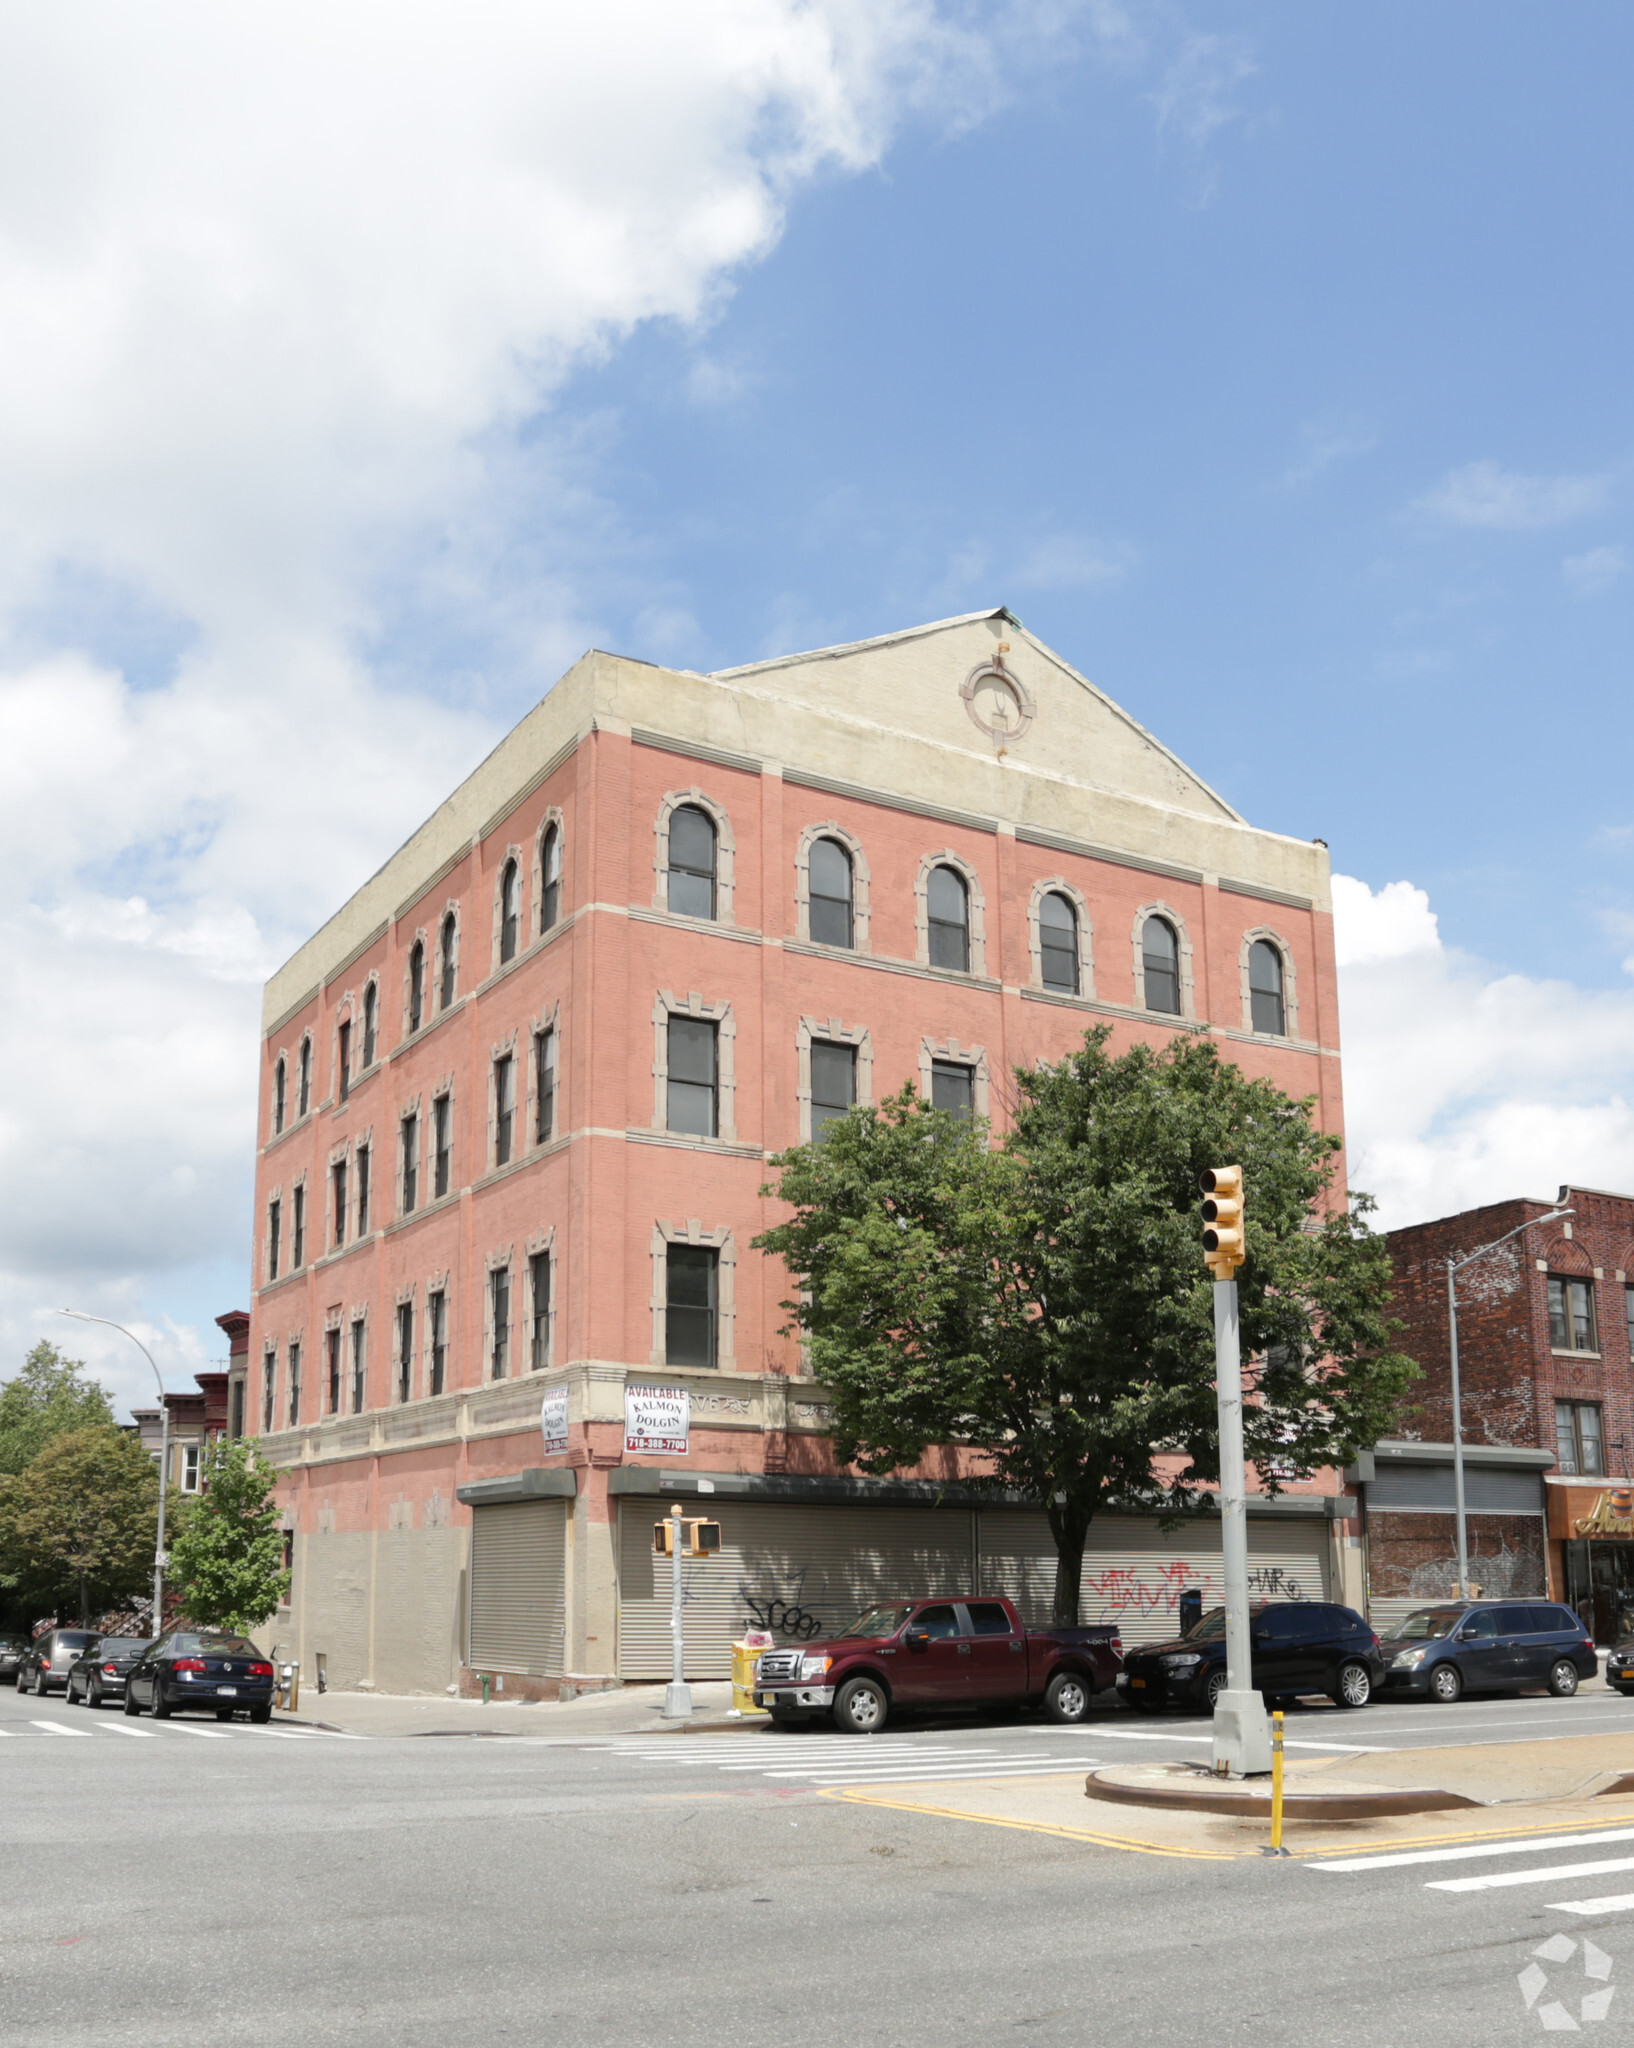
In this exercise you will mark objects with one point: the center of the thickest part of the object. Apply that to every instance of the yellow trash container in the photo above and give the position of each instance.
(743, 1677)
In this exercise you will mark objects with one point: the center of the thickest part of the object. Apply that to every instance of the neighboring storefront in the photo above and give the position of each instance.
(1411, 1525)
(1591, 1532)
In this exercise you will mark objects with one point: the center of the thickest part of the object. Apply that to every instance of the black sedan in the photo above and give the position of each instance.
(200, 1669)
(98, 1674)
(13, 1649)
(1296, 1646)
(43, 1667)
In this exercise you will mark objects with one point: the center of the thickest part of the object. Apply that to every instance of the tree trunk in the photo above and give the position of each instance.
(85, 1603)
(1069, 1525)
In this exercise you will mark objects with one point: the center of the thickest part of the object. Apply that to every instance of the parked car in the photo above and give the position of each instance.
(98, 1673)
(1620, 1667)
(43, 1667)
(1464, 1646)
(937, 1654)
(200, 1668)
(1295, 1646)
(13, 1649)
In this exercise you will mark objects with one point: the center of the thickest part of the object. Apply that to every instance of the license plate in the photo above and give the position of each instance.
(1137, 1681)
(227, 1692)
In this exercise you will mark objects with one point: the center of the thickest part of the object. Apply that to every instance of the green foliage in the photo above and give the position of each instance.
(1046, 1303)
(228, 1561)
(48, 1398)
(77, 1527)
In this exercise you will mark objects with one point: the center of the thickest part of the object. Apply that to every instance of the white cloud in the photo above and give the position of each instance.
(1463, 1085)
(1070, 561)
(1326, 442)
(1587, 575)
(1194, 97)
(1485, 494)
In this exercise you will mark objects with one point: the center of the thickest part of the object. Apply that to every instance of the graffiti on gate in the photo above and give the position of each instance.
(778, 1608)
(1150, 1589)
(1271, 1582)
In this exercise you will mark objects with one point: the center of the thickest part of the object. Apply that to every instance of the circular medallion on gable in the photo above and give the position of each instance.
(997, 702)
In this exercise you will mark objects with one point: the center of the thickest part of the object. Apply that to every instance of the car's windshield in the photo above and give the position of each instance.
(1212, 1626)
(72, 1639)
(879, 1621)
(122, 1643)
(1430, 1624)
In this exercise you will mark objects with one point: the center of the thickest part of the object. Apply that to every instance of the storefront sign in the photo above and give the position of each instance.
(553, 1419)
(1613, 1515)
(657, 1419)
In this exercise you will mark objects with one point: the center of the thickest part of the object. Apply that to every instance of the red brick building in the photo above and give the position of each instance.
(1544, 1329)
(518, 1096)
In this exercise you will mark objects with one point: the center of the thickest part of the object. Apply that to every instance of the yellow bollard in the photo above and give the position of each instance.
(1276, 1783)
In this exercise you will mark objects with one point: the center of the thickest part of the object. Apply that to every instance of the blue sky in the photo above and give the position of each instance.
(1269, 361)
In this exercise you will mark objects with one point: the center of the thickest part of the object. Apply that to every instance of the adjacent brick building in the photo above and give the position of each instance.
(518, 1096)
(1544, 1328)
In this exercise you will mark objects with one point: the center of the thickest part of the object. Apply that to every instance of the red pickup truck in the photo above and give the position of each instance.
(937, 1654)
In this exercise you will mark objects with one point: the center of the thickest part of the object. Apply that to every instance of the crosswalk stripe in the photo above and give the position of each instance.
(122, 1728)
(940, 1773)
(1541, 1846)
(56, 1728)
(1618, 1903)
(209, 1734)
(1500, 1880)
(872, 1758)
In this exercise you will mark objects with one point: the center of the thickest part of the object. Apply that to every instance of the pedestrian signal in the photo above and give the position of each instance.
(1223, 1248)
(698, 1537)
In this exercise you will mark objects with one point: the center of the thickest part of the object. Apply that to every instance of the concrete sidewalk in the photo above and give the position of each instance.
(632, 1710)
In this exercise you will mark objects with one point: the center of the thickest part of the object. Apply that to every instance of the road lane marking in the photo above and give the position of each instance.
(57, 1728)
(1501, 1880)
(1036, 1756)
(823, 1780)
(1540, 1846)
(120, 1728)
(209, 1734)
(1619, 1902)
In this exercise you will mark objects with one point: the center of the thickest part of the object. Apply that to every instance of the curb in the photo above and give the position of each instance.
(1192, 1793)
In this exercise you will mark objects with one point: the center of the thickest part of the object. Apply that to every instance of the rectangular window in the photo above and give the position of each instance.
(442, 1125)
(411, 1163)
(337, 1176)
(504, 1108)
(363, 1191)
(544, 1080)
(343, 1080)
(275, 1234)
(691, 1275)
(1578, 1444)
(331, 1340)
(359, 1361)
(833, 1082)
(269, 1382)
(238, 1407)
(539, 1307)
(953, 1088)
(405, 1349)
(297, 1227)
(499, 1312)
(437, 1339)
(1571, 1315)
(189, 1464)
(294, 1383)
(693, 1077)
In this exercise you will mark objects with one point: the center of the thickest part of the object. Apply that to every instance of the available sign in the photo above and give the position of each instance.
(553, 1419)
(657, 1419)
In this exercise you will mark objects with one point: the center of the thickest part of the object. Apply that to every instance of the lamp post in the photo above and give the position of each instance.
(1454, 1268)
(79, 1315)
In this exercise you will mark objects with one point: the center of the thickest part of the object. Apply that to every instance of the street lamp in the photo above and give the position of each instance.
(1454, 1268)
(79, 1315)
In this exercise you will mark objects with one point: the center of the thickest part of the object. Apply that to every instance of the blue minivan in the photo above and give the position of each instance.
(1464, 1646)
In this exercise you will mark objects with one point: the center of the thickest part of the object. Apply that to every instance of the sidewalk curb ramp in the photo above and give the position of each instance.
(1185, 1787)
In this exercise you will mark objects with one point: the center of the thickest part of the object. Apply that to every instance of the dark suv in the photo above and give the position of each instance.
(1297, 1646)
(1488, 1646)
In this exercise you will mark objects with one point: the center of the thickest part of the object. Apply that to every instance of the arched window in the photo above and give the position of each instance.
(280, 1094)
(550, 878)
(303, 1100)
(947, 907)
(417, 984)
(1160, 965)
(830, 895)
(1058, 943)
(691, 862)
(371, 1022)
(447, 961)
(510, 911)
(1265, 989)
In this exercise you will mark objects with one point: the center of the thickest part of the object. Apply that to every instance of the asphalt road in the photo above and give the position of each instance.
(219, 1885)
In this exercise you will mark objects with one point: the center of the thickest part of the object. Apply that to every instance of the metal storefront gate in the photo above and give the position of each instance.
(519, 1587)
(804, 1572)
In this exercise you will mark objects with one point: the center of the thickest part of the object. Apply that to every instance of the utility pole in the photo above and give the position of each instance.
(677, 1694)
(1454, 1268)
(1242, 1734)
(159, 1558)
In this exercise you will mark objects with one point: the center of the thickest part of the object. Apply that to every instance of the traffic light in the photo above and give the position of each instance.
(1223, 1248)
(698, 1537)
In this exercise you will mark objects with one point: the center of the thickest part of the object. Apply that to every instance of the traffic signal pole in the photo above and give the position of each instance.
(677, 1694)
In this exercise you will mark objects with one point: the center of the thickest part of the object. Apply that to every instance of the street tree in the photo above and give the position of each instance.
(77, 1526)
(1044, 1304)
(228, 1561)
(49, 1398)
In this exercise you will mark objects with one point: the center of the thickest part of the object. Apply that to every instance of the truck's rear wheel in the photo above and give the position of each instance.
(1066, 1697)
(861, 1706)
